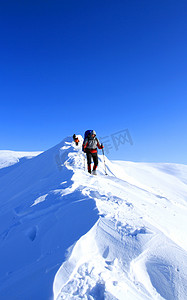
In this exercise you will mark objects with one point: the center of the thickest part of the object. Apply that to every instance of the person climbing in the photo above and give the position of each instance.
(90, 145)
(76, 139)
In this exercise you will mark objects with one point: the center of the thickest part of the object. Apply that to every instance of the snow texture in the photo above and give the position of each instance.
(66, 234)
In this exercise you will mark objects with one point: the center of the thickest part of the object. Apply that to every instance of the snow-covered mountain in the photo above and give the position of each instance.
(65, 234)
(9, 158)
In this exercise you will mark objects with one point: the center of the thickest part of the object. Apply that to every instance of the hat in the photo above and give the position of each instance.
(93, 132)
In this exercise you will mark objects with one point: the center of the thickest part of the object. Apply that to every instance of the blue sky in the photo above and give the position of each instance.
(68, 66)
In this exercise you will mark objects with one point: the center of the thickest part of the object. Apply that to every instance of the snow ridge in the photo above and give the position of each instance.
(129, 254)
(78, 236)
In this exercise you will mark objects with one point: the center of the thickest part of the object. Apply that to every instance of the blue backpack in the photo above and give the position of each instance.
(86, 134)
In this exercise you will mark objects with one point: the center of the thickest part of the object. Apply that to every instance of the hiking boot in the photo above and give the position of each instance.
(94, 172)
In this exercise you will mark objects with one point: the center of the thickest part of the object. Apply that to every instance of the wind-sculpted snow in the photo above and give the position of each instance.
(137, 248)
(121, 236)
(42, 214)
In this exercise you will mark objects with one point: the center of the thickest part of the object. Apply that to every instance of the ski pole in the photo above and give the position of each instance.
(104, 161)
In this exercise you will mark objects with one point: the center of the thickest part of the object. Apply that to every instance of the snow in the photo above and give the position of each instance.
(65, 234)
(9, 158)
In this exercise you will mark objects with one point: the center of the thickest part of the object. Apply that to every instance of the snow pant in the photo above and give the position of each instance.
(89, 160)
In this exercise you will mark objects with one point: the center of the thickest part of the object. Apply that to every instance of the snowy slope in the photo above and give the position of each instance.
(40, 217)
(65, 234)
(137, 249)
(9, 158)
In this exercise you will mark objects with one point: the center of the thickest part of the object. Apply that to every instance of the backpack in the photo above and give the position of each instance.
(86, 134)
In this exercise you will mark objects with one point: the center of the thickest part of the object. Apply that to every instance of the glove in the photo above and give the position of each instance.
(102, 146)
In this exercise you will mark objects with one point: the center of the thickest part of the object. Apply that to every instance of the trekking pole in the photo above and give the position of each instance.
(104, 161)
(84, 162)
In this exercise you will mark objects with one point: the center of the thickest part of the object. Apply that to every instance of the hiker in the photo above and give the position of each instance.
(90, 145)
(76, 140)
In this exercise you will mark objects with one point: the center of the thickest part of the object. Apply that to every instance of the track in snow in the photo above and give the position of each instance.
(120, 236)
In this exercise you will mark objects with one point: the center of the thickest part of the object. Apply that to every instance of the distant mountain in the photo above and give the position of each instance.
(9, 158)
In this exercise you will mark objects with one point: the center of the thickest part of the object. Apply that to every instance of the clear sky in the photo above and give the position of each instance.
(109, 65)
